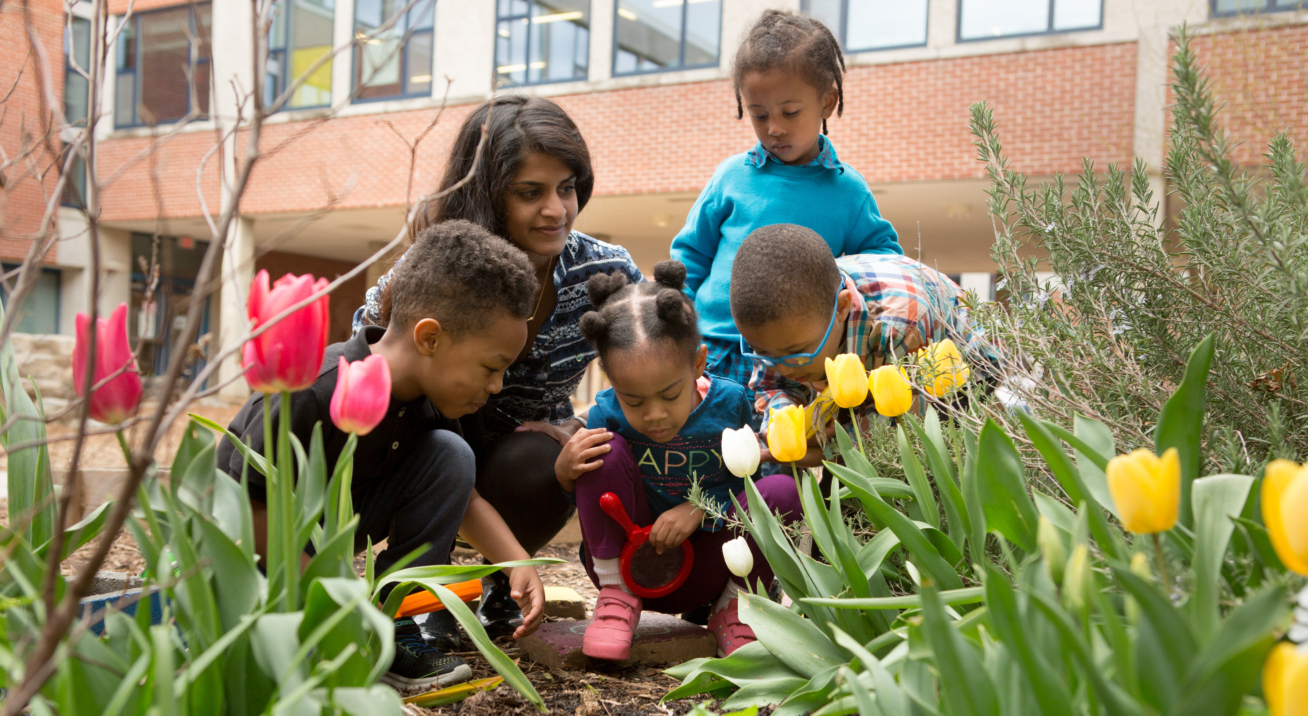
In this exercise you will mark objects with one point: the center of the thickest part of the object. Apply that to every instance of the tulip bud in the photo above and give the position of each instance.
(739, 558)
(1078, 579)
(847, 380)
(1052, 549)
(1285, 504)
(740, 451)
(1146, 490)
(287, 356)
(943, 368)
(786, 436)
(1285, 680)
(891, 392)
(120, 396)
(362, 395)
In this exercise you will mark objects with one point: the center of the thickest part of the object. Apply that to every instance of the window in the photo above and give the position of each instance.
(1244, 7)
(863, 25)
(656, 35)
(40, 310)
(154, 53)
(538, 41)
(77, 50)
(74, 195)
(395, 62)
(987, 19)
(301, 34)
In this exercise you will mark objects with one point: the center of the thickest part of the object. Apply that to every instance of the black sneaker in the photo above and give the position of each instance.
(498, 612)
(418, 665)
(440, 630)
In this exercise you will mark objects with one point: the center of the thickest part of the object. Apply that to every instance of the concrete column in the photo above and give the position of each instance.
(343, 63)
(115, 269)
(942, 23)
(463, 52)
(238, 271)
(979, 283)
(603, 20)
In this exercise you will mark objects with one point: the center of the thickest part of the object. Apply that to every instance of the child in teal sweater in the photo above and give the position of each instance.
(787, 75)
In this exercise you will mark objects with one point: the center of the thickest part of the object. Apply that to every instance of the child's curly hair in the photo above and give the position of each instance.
(627, 316)
(785, 40)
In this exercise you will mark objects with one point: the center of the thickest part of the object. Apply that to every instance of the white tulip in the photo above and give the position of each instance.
(740, 451)
(738, 557)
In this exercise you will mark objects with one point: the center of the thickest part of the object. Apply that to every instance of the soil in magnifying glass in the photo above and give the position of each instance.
(652, 570)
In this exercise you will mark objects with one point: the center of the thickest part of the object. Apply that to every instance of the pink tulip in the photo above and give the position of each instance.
(288, 355)
(363, 393)
(118, 397)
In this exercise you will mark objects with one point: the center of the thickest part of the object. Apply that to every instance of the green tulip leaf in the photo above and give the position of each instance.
(796, 641)
(1181, 422)
(1217, 499)
(1001, 488)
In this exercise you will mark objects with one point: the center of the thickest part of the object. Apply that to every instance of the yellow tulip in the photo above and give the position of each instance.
(1146, 490)
(1285, 680)
(943, 368)
(1078, 578)
(818, 413)
(786, 438)
(1051, 548)
(847, 380)
(891, 392)
(1285, 512)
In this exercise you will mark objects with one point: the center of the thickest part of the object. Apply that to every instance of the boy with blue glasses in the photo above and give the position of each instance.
(795, 305)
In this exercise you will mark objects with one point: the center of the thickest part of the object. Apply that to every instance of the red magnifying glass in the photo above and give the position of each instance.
(647, 573)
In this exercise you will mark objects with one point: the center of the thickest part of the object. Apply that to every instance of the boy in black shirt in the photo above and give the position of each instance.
(460, 300)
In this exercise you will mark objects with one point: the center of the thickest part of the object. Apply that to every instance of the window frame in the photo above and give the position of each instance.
(357, 52)
(1269, 7)
(681, 47)
(495, 44)
(284, 53)
(135, 72)
(958, 26)
(842, 33)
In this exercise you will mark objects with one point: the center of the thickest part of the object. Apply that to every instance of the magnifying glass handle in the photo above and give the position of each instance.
(612, 507)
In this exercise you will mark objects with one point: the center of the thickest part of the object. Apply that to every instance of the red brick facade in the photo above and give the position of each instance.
(27, 124)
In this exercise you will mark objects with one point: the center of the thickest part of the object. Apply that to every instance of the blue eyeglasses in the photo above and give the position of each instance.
(795, 360)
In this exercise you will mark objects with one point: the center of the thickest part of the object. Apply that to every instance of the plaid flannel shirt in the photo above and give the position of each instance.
(900, 305)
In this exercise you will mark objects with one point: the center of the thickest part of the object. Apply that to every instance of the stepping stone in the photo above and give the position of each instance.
(565, 603)
(112, 583)
(661, 640)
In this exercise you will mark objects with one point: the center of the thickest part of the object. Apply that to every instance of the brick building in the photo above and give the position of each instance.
(647, 82)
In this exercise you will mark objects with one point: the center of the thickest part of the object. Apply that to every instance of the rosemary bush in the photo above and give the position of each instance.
(1138, 286)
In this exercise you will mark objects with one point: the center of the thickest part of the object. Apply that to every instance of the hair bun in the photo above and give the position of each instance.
(671, 306)
(601, 287)
(593, 326)
(670, 273)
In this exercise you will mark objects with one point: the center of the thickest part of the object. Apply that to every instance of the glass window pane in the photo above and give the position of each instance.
(1290, 3)
(423, 15)
(1225, 6)
(419, 64)
(559, 32)
(165, 53)
(511, 52)
(310, 40)
(40, 310)
(703, 31)
(996, 18)
(125, 99)
(78, 49)
(826, 12)
(1076, 14)
(75, 188)
(649, 33)
(874, 24)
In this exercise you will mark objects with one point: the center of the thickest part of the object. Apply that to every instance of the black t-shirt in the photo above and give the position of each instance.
(378, 454)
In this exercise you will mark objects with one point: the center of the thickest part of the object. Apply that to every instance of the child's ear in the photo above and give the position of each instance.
(844, 302)
(829, 101)
(427, 335)
(701, 360)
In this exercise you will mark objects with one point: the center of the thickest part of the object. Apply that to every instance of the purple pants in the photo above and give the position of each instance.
(604, 537)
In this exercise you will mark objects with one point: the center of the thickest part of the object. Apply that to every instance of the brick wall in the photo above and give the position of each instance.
(26, 125)
(343, 300)
(1260, 77)
(903, 122)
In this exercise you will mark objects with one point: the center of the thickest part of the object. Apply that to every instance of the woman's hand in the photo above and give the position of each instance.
(560, 433)
(674, 526)
(526, 589)
(812, 458)
(581, 455)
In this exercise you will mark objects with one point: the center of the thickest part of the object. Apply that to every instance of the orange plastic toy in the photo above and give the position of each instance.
(423, 601)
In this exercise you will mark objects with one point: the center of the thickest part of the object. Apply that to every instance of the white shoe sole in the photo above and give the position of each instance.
(460, 674)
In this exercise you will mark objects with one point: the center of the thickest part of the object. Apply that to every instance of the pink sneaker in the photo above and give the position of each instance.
(609, 635)
(731, 632)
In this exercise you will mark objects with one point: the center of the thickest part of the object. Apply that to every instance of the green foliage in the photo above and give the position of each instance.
(866, 635)
(1142, 277)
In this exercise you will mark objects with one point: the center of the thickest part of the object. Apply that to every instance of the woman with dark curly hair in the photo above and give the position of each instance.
(532, 179)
